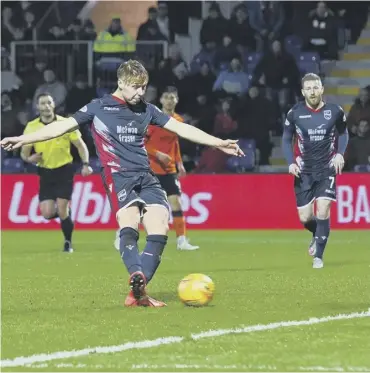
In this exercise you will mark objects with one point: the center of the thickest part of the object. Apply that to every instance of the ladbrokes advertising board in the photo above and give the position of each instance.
(255, 201)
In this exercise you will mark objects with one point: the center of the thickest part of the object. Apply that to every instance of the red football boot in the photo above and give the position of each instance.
(156, 303)
(130, 300)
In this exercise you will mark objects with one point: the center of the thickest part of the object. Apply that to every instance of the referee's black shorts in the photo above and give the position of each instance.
(56, 183)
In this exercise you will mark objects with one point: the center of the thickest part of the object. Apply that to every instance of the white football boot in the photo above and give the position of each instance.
(183, 244)
(317, 263)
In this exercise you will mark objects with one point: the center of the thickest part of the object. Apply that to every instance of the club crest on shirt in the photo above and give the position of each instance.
(327, 114)
(121, 196)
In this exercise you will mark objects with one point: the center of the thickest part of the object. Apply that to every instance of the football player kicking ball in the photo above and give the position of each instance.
(119, 122)
(317, 125)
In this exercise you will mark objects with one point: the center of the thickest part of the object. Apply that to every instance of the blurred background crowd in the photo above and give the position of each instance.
(236, 65)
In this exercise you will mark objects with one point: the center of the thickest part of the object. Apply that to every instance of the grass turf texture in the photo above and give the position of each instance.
(54, 301)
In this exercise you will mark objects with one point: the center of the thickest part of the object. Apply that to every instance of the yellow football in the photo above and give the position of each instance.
(196, 290)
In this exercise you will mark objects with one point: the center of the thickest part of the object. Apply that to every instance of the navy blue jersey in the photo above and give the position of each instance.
(316, 133)
(119, 129)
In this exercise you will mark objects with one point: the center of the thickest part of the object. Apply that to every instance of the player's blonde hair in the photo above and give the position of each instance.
(310, 77)
(132, 72)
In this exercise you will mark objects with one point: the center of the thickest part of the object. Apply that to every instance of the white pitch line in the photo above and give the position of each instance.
(202, 366)
(22, 360)
(249, 367)
(276, 325)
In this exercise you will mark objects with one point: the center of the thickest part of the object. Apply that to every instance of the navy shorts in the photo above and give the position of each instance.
(170, 183)
(56, 183)
(127, 188)
(309, 187)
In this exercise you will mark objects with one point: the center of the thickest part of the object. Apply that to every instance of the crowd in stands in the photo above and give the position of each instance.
(239, 85)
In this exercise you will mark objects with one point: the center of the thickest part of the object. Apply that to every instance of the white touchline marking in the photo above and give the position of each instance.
(22, 360)
(250, 366)
(204, 366)
(276, 325)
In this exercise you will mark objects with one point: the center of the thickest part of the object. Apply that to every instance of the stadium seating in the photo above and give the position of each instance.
(293, 44)
(251, 61)
(12, 166)
(362, 168)
(308, 67)
(4, 154)
(247, 163)
(309, 57)
(95, 165)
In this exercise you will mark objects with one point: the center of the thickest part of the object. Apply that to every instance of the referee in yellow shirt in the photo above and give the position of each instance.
(55, 169)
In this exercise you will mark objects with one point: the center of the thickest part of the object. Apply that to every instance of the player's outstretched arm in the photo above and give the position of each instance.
(52, 130)
(196, 135)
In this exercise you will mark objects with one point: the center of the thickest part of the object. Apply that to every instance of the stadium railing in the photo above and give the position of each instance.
(71, 58)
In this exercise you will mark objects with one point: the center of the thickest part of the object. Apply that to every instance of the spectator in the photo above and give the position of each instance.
(79, 94)
(352, 15)
(34, 77)
(203, 80)
(163, 21)
(225, 125)
(256, 117)
(226, 52)
(279, 73)
(10, 81)
(206, 55)
(359, 146)
(55, 88)
(89, 30)
(25, 6)
(114, 40)
(169, 68)
(203, 113)
(9, 110)
(184, 84)
(56, 33)
(6, 33)
(359, 110)
(75, 31)
(240, 29)
(321, 35)
(214, 28)
(150, 29)
(29, 25)
(267, 19)
(9, 32)
(233, 81)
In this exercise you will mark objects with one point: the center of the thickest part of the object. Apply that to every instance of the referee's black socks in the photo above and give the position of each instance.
(67, 228)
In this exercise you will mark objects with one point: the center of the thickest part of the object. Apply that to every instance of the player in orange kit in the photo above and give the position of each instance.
(166, 162)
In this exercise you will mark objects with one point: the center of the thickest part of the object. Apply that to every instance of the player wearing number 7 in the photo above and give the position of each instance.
(318, 126)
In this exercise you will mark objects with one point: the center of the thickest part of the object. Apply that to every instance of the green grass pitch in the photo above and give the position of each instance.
(52, 301)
